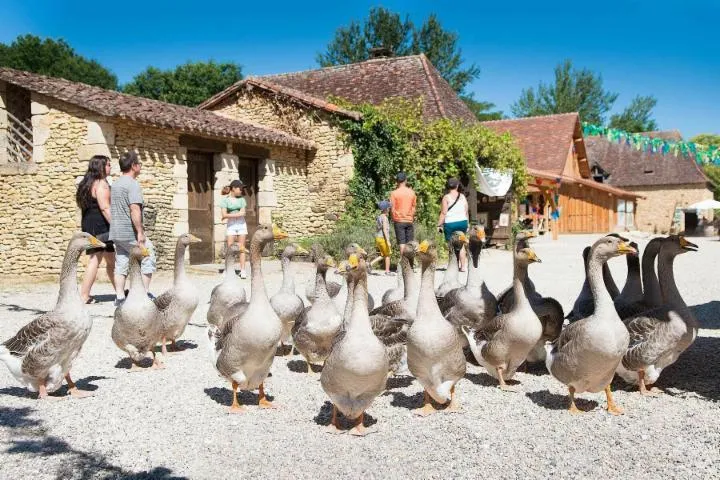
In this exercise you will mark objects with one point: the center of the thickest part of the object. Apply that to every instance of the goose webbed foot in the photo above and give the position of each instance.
(612, 407)
(263, 402)
(157, 363)
(652, 392)
(359, 429)
(43, 395)
(334, 428)
(573, 408)
(427, 408)
(74, 391)
(454, 406)
(504, 386)
(236, 408)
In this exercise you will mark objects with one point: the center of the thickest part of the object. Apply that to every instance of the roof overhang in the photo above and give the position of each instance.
(618, 192)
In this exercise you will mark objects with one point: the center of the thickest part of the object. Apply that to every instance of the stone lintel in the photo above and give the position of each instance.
(100, 132)
(18, 168)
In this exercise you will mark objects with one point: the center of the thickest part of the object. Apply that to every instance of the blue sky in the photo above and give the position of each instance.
(670, 49)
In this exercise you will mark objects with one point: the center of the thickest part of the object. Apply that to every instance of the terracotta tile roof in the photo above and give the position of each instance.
(374, 81)
(151, 112)
(585, 181)
(672, 135)
(630, 167)
(545, 141)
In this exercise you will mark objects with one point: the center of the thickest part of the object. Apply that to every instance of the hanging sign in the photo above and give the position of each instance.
(493, 183)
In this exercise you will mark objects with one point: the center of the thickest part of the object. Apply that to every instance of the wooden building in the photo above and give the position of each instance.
(561, 180)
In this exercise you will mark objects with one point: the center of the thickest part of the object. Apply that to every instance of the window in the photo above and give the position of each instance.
(625, 214)
(18, 129)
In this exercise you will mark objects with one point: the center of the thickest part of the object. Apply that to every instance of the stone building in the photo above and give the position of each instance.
(665, 181)
(557, 163)
(50, 127)
(276, 133)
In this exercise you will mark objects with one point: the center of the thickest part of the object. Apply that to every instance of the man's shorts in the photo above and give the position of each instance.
(405, 232)
(122, 258)
(236, 226)
(383, 246)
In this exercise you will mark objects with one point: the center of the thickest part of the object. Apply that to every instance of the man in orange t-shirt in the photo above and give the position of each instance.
(403, 202)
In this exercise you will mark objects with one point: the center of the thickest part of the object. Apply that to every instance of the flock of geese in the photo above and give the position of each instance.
(432, 332)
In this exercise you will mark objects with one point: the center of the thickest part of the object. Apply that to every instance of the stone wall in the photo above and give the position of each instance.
(655, 212)
(38, 214)
(311, 189)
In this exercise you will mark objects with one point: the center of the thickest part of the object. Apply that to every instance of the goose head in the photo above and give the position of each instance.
(677, 244)
(458, 240)
(266, 233)
(84, 241)
(427, 252)
(354, 267)
(476, 238)
(411, 250)
(324, 263)
(292, 249)
(522, 237)
(611, 246)
(526, 256)
(188, 238)
(356, 249)
(138, 252)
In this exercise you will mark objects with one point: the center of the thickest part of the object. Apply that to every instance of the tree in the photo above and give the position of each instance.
(707, 139)
(385, 29)
(189, 84)
(637, 117)
(55, 59)
(572, 91)
(483, 111)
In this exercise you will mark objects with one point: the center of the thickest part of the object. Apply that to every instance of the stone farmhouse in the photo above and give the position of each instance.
(275, 133)
(558, 166)
(664, 182)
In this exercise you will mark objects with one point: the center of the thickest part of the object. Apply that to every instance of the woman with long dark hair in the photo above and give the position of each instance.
(93, 198)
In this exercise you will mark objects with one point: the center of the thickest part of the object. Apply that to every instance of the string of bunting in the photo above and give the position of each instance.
(703, 154)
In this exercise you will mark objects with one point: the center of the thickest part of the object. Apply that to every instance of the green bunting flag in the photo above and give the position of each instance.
(703, 154)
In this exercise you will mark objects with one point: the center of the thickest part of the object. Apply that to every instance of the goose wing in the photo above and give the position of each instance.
(651, 335)
(34, 335)
(163, 301)
(389, 330)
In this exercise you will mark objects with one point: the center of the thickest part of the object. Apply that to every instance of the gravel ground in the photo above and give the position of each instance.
(173, 423)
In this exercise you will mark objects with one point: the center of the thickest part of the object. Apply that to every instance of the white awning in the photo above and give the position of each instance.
(493, 183)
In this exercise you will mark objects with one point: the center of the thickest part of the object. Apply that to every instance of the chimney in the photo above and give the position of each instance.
(381, 52)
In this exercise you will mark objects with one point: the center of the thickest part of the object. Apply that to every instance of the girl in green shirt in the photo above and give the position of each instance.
(233, 209)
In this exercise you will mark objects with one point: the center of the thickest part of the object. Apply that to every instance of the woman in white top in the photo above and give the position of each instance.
(454, 215)
(233, 209)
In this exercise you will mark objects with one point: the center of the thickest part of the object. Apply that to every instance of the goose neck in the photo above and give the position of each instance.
(350, 297)
(229, 265)
(136, 283)
(359, 318)
(668, 287)
(428, 303)
(321, 292)
(474, 278)
(257, 283)
(609, 281)
(520, 278)
(68, 277)
(410, 283)
(288, 281)
(651, 284)
(601, 296)
(179, 263)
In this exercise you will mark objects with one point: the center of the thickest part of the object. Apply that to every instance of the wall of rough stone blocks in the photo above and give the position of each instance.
(655, 211)
(38, 213)
(311, 192)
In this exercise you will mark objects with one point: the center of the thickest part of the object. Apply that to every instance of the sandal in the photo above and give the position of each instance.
(91, 299)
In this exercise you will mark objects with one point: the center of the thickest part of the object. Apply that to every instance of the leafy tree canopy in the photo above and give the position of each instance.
(572, 91)
(707, 139)
(54, 58)
(385, 29)
(189, 84)
(637, 117)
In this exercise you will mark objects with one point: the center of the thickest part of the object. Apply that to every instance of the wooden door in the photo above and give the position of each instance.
(247, 172)
(200, 205)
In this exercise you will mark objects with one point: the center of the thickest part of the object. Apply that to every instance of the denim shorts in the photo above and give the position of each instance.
(122, 257)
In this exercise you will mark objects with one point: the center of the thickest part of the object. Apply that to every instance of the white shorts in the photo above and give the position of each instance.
(236, 226)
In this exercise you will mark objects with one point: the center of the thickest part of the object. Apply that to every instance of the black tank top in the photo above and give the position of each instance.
(93, 221)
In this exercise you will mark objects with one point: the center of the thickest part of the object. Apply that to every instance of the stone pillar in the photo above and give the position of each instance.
(225, 166)
(266, 199)
(3, 124)
(41, 126)
(99, 137)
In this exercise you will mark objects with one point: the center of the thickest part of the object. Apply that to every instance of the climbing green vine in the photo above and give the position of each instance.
(392, 137)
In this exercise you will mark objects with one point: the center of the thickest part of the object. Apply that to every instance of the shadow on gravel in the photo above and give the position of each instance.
(223, 396)
(17, 392)
(29, 438)
(553, 401)
(17, 308)
(300, 366)
(482, 379)
(707, 314)
(697, 370)
(325, 415)
(125, 363)
(399, 382)
(405, 401)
